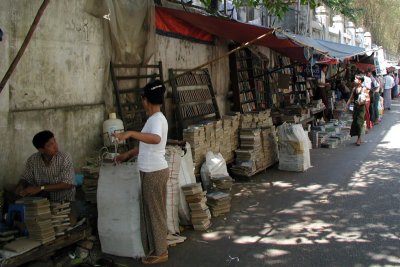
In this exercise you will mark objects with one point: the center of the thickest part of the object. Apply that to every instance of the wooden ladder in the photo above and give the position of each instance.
(128, 81)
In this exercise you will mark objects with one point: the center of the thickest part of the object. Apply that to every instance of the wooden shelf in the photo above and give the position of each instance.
(254, 83)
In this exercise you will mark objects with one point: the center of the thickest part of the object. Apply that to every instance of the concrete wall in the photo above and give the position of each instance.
(57, 85)
(61, 84)
(181, 54)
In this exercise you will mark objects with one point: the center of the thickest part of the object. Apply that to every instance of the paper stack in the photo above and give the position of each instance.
(222, 183)
(264, 119)
(200, 214)
(60, 217)
(7, 235)
(90, 180)
(1, 201)
(269, 147)
(216, 136)
(249, 153)
(246, 120)
(219, 203)
(195, 136)
(38, 219)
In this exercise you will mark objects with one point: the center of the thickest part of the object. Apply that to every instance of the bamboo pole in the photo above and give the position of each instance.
(225, 55)
(24, 45)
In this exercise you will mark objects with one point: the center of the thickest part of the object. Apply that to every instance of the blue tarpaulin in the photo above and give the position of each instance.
(330, 49)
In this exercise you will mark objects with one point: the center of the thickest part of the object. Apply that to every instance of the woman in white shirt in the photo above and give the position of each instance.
(153, 172)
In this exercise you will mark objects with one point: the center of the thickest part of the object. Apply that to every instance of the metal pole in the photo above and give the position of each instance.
(24, 45)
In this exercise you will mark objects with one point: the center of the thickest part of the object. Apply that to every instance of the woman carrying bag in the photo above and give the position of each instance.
(358, 97)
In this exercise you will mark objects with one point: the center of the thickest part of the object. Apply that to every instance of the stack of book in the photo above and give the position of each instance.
(38, 219)
(269, 147)
(246, 120)
(249, 153)
(200, 214)
(1, 201)
(90, 180)
(222, 183)
(7, 235)
(219, 203)
(195, 136)
(60, 217)
(216, 136)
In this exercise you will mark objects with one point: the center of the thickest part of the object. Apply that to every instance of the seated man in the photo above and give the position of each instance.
(49, 172)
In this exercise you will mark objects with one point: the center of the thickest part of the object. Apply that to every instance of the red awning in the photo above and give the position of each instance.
(170, 25)
(365, 66)
(234, 30)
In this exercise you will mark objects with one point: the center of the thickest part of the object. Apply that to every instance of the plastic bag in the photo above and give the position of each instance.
(186, 176)
(214, 165)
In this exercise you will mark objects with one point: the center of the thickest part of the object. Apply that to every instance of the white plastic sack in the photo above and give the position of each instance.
(294, 148)
(214, 165)
(173, 156)
(118, 206)
(186, 176)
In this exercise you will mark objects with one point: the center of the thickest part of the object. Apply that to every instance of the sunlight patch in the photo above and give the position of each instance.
(380, 257)
(247, 240)
(276, 253)
(391, 139)
(354, 236)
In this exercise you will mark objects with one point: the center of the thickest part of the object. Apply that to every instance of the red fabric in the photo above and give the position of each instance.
(365, 67)
(233, 30)
(167, 23)
(328, 61)
(367, 116)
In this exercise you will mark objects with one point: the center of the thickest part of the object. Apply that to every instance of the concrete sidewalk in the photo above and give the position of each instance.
(344, 211)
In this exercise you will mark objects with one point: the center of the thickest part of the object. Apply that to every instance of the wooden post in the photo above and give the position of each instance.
(24, 45)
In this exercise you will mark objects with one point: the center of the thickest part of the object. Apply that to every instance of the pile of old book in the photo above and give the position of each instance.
(90, 180)
(7, 235)
(60, 217)
(269, 147)
(221, 183)
(1, 201)
(256, 120)
(38, 219)
(219, 203)
(249, 152)
(199, 212)
(217, 136)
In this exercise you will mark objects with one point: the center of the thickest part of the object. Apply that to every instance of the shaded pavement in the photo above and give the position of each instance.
(344, 211)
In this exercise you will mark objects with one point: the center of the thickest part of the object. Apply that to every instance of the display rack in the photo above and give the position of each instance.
(249, 86)
(193, 97)
(128, 81)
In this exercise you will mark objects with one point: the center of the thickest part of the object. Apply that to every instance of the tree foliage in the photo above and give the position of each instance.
(280, 7)
(382, 19)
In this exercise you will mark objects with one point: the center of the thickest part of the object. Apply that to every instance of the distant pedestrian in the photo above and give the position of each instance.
(387, 92)
(358, 98)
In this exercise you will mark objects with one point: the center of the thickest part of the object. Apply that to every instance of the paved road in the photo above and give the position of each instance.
(344, 211)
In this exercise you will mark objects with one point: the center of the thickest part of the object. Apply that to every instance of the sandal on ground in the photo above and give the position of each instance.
(155, 259)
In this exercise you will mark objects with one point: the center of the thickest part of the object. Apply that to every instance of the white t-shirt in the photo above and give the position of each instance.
(389, 82)
(152, 156)
(367, 82)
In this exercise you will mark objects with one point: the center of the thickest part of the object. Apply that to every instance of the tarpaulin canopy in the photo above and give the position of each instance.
(168, 25)
(332, 50)
(234, 30)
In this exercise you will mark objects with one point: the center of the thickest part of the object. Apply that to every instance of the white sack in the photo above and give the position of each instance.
(214, 165)
(118, 205)
(186, 176)
(173, 156)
